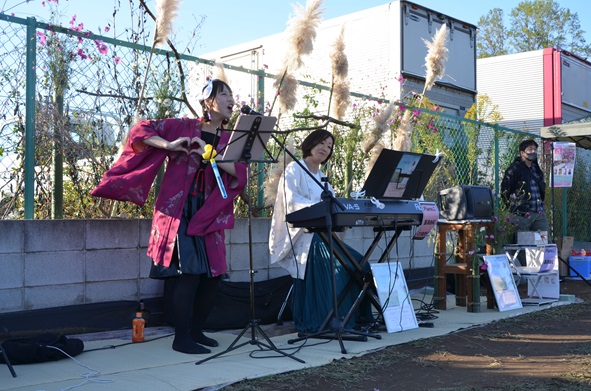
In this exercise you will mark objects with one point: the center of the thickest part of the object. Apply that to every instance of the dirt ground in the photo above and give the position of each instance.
(545, 350)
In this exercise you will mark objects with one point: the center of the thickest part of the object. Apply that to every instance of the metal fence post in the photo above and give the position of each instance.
(31, 77)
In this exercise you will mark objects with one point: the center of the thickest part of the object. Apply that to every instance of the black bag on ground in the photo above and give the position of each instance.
(37, 349)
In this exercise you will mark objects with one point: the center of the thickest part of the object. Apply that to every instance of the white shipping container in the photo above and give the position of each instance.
(537, 88)
(382, 43)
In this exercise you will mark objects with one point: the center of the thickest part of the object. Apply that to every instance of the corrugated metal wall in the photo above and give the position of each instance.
(515, 83)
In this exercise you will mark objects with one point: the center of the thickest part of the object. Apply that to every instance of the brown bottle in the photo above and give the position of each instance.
(138, 325)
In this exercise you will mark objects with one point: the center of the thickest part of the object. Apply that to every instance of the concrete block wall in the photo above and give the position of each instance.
(54, 263)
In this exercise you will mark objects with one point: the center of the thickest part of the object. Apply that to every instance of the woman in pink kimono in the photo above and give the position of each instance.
(190, 213)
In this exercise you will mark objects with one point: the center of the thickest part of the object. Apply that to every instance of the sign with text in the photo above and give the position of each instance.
(430, 216)
(563, 164)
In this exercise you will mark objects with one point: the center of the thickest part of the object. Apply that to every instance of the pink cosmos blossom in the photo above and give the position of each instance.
(42, 38)
(81, 54)
(495, 219)
(400, 79)
(117, 60)
(107, 29)
(527, 215)
(80, 27)
(416, 112)
(102, 48)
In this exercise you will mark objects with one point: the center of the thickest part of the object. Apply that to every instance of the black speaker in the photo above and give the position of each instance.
(466, 203)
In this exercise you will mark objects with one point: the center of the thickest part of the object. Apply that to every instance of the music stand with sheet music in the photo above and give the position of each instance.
(399, 175)
(250, 136)
(248, 144)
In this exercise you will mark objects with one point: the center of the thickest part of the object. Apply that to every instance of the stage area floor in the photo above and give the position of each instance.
(111, 362)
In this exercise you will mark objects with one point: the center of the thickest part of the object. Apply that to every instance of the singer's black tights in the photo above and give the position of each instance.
(193, 299)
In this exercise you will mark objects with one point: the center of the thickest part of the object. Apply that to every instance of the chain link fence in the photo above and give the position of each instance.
(85, 90)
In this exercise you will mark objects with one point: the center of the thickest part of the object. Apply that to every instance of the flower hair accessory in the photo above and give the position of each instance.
(206, 91)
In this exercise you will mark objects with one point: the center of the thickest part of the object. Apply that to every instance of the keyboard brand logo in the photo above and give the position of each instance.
(352, 206)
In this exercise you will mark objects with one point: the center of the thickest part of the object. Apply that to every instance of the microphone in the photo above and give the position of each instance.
(248, 111)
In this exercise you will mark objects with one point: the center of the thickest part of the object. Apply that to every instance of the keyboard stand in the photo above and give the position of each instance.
(363, 279)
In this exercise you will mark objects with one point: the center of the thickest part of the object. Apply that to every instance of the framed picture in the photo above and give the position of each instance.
(399, 314)
(502, 282)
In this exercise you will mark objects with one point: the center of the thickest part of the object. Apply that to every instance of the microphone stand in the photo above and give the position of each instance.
(253, 325)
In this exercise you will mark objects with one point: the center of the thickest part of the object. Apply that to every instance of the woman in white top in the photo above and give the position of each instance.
(304, 255)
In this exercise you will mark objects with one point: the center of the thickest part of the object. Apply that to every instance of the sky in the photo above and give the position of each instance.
(231, 22)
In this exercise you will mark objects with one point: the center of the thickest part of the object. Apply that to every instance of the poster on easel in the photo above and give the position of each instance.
(563, 163)
(502, 282)
(399, 313)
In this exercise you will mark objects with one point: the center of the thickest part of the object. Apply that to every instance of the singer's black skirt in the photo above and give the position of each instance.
(189, 256)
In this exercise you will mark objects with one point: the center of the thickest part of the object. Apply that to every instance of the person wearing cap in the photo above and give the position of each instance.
(523, 189)
(192, 209)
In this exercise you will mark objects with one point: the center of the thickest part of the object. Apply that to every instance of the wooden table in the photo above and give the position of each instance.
(466, 268)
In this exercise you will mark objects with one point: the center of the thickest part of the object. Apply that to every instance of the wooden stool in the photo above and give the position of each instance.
(466, 271)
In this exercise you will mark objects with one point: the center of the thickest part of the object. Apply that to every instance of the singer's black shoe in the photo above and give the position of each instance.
(200, 338)
(188, 346)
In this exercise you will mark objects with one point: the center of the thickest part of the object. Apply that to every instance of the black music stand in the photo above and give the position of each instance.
(336, 325)
(245, 141)
(7, 361)
(399, 175)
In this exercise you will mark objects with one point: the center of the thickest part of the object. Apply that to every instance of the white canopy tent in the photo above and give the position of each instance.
(578, 132)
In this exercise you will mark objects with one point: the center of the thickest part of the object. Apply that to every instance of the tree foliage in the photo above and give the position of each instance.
(533, 25)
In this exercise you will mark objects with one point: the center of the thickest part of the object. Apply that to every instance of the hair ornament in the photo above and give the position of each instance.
(207, 90)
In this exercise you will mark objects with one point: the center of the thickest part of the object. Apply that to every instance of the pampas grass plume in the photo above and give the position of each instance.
(436, 57)
(166, 11)
(340, 72)
(402, 142)
(220, 72)
(274, 175)
(381, 125)
(302, 32)
(287, 89)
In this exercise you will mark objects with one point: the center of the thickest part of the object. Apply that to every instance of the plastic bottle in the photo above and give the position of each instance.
(138, 325)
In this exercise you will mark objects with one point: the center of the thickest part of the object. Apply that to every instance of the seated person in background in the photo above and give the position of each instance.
(304, 255)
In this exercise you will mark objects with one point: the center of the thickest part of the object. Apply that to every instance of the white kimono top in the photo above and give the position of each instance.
(296, 190)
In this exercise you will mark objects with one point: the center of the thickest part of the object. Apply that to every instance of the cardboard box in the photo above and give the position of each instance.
(565, 248)
(532, 238)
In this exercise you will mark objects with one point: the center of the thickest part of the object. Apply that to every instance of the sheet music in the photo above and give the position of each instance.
(400, 177)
